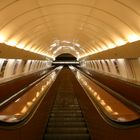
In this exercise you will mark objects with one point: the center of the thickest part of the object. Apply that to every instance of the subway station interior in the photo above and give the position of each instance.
(69, 69)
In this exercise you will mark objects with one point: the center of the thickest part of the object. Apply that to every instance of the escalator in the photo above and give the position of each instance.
(70, 112)
(66, 119)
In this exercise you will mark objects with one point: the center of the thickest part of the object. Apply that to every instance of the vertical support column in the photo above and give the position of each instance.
(9, 68)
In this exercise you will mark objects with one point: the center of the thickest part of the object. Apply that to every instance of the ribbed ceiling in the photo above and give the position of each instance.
(79, 27)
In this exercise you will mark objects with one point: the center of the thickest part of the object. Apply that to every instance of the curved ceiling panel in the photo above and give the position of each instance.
(83, 27)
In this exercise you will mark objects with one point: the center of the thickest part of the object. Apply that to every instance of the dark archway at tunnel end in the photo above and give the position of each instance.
(65, 59)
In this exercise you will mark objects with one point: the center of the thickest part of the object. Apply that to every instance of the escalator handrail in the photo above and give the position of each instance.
(114, 93)
(16, 77)
(124, 80)
(107, 119)
(19, 93)
(26, 117)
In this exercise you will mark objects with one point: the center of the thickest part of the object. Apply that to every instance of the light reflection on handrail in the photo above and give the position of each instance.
(112, 107)
(20, 108)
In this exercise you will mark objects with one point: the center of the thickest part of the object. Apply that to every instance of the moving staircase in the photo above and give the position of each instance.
(66, 121)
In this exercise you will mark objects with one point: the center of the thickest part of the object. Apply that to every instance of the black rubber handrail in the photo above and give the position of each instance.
(22, 91)
(114, 93)
(106, 118)
(24, 120)
(112, 76)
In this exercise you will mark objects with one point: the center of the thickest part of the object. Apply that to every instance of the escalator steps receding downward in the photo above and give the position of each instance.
(66, 124)
(66, 121)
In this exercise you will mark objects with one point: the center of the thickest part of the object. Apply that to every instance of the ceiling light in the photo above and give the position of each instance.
(77, 52)
(11, 43)
(57, 50)
(2, 39)
(111, 46)
(99, 49)
(26, 48)
(65, 41)
(53, 45)
(76, 44)
(133, 38)
(21, 46)
(120, 42)
(104, 48)
(32, 50)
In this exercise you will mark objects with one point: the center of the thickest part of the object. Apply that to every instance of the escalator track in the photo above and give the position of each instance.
(66, 119)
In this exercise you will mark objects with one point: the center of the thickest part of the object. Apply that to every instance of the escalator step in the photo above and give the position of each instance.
(73, 119)
(66, 108)
(69, 106)
(67, 137)
(66, 114)
(65, 130)
(66, 111)
(66, 124)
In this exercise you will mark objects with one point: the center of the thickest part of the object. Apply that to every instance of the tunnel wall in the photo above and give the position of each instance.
(122, 68)
(15, 67)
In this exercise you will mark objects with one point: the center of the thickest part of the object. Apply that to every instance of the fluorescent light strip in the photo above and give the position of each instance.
(67, 62)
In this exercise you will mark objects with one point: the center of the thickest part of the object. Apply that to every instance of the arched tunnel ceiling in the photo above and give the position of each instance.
(79, 27)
